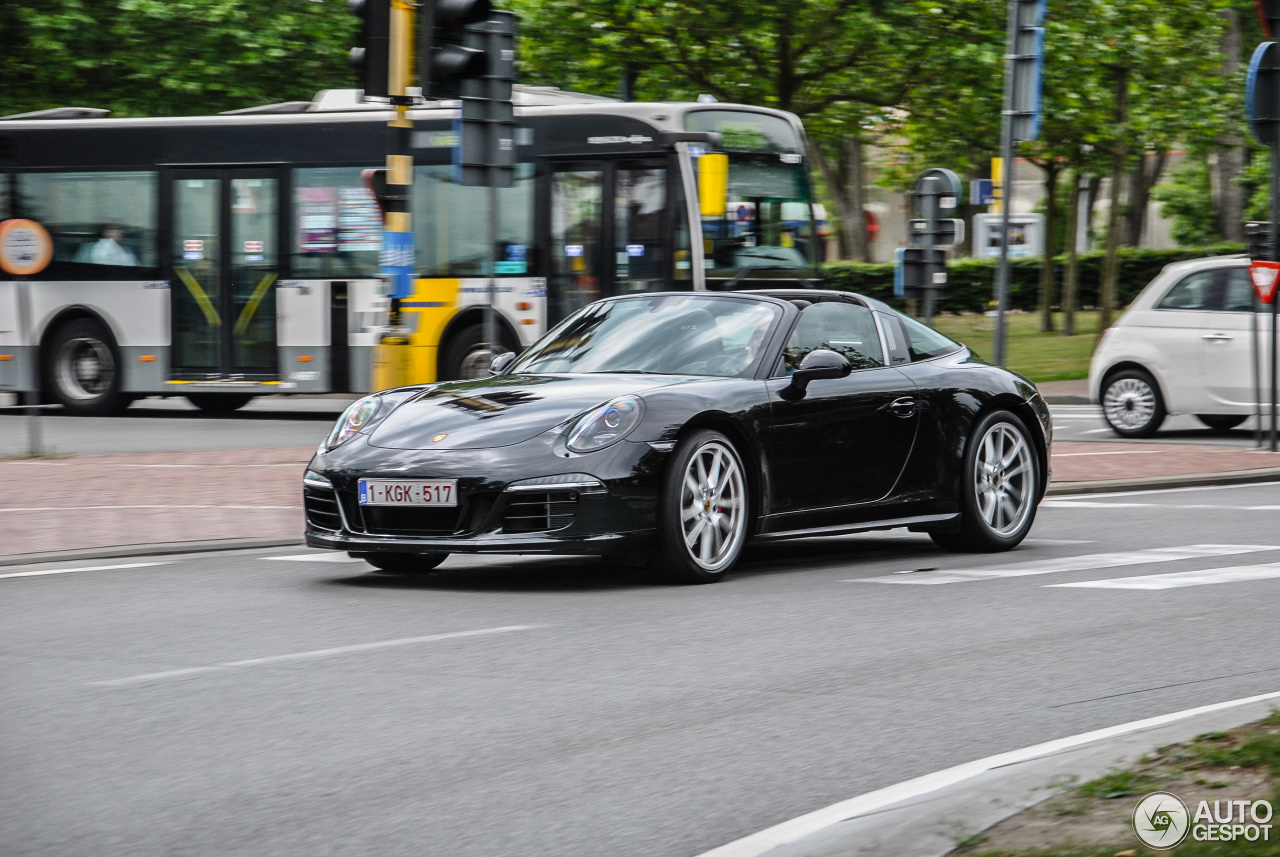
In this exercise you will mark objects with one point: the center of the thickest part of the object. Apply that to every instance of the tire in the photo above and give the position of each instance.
(465, 357)
(82, 369)
(704, 511)
(1132, 404)
(219, 404)
(405, 564)
(1000, 487)
(1221, 422)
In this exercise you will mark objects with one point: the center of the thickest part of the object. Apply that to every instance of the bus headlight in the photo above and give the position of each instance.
(606, 425)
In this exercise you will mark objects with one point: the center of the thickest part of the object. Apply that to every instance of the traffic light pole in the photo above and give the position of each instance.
(1006, 188)
(399, 154)
(1275, 243)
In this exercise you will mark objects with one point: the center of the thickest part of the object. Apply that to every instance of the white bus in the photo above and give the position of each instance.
(230, 256)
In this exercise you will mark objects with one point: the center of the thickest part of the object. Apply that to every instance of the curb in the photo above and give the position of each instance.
(1058, 489)
(1147, 483)
(158, 549)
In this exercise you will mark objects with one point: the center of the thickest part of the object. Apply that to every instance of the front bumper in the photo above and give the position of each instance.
(617, 516)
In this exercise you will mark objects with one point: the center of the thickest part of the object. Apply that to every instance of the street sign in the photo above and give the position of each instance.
(946, 232)
(1027, 58)
(25, 247)
(1264, 276)
(1260, 90)
(982, 192)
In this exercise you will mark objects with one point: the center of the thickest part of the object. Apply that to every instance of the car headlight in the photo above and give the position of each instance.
(357, 415)
(606, 425)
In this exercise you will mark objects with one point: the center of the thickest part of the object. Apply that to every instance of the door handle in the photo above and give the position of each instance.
(904, 407)
(1218, 337)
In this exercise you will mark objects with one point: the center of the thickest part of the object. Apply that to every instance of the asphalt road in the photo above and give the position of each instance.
(172, 425)
(294, 703)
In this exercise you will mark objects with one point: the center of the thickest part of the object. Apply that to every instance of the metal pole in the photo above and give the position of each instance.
(1257, 376)
(1006, 188)
(35, 439)
(491, 315)
(929, 211)
(1275, 249)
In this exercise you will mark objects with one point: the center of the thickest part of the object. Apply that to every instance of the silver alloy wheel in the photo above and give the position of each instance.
(1004, 476)
(1129, 403)
(85, 368)
(713, 506)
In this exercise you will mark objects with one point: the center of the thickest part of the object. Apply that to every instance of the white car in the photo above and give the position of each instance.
(1184, 346)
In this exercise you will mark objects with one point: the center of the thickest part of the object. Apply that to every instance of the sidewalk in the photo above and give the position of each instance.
(92, 502)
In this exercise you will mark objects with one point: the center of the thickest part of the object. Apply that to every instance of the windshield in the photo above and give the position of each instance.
(656, 334)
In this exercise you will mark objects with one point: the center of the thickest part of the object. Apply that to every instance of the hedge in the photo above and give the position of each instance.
(971, 282)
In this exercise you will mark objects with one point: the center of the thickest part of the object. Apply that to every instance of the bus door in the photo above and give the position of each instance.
(224, 263)
(609, 231)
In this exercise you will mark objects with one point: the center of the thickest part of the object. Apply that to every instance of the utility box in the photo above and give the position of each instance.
(1026, 235)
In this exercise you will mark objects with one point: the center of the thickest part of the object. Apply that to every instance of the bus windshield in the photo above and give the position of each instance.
(753, 194)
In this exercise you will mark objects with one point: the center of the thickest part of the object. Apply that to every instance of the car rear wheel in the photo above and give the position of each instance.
(702, 521)
(405, 564)
(999, 488)
(1221, 422)
(82, 372)
(1131, 404)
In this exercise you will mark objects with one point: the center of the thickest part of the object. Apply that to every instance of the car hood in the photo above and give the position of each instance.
(503, 410)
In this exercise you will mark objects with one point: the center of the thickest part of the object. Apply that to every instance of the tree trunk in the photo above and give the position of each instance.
(859, 246)
(844, 186)
(1228, 197)
(1051, 170)
(1108, 298)
(1144, 176)
(1070, 283)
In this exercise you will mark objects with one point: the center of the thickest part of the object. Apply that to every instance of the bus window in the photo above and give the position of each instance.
(638, 209)
(681, 253)
(337, 226)
(451, 224)
(6, 211)
(103, 225)
(577, 202)
(765, 220)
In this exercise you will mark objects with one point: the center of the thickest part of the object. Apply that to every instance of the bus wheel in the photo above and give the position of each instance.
(467, 356)
(219, 404)
(82, 372)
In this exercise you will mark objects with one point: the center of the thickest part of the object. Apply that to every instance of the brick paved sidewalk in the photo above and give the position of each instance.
(93, 501)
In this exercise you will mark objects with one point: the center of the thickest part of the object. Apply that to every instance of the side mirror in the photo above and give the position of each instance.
(817, 365)
(501, 362)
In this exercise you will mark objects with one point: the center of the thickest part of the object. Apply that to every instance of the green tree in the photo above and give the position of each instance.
(170, 57)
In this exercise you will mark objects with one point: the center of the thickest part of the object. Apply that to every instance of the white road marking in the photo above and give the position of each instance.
(310, 655)
(164, 506)
(1147, 491)
(84, 568)
(804, 825)
(1120, 452)
(1178, 580)
(1087, 562)
(1095, 431)
(331, 556)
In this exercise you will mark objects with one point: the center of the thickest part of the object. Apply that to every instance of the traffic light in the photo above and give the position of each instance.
(448, 58)
(1268, 16)
(372, 58)
(1028, 66)
(1257, 237)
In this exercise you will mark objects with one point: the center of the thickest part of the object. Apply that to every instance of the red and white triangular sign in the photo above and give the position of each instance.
(1265, 275)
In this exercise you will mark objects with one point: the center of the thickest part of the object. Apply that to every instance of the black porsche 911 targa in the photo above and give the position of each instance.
(680, 426)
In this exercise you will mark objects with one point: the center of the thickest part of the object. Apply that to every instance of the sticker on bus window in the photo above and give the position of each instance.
(573, 250)
(696, 151)
(635, 249)
(517, 253)
(510, 267)
(253, 247)
(193, 249)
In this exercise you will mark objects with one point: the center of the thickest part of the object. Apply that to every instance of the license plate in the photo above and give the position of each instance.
(408, 492)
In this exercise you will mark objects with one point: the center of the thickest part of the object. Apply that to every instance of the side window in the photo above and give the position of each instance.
(639, 203)
(841, 327)
(1194, 292)
(103, 225)
(451, 228)
(1239, 295)
(337, 226)
(925, 343)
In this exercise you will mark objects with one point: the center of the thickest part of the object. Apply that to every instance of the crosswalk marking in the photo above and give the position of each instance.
(1177, 580)
(1070, 563)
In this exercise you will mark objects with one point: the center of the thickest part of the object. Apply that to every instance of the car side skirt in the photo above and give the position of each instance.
(915, 521)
